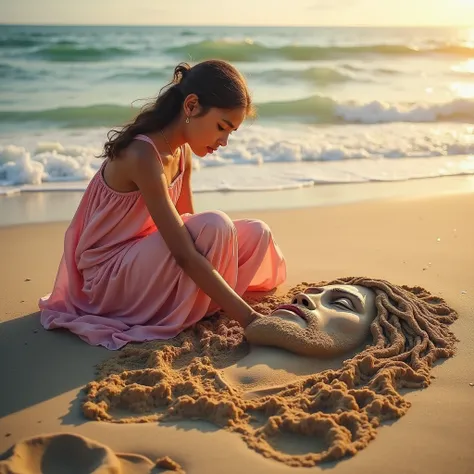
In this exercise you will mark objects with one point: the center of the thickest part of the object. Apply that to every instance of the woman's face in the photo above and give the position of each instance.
(324, 321)
(207, 133)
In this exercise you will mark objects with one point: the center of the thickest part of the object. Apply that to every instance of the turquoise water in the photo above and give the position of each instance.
(334, 104)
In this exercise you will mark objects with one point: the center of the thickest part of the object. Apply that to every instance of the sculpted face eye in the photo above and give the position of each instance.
(344, 303)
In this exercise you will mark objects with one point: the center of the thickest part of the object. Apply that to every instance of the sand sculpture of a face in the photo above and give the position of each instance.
(321, 322)
(387, 341)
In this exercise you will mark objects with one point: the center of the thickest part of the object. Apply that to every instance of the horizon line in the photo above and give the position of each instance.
(176, 25)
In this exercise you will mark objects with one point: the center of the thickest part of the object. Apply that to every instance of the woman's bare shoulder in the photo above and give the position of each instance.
(118, 172)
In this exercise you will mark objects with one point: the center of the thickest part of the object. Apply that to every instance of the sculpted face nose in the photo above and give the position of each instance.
(304, 300)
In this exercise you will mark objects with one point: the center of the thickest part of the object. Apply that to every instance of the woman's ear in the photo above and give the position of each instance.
(191, 105)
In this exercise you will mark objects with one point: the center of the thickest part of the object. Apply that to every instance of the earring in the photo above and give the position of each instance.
(187, 119)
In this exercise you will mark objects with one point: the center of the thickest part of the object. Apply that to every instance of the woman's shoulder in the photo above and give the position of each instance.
(137, 149)
(118, 172)
(137, 153)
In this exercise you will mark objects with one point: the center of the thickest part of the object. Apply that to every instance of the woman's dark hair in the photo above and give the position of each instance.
(216, 83)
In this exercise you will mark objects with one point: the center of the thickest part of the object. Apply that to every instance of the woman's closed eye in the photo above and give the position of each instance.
(222, 129)
(344, 303)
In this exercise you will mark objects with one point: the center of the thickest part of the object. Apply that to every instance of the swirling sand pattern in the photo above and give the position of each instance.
(342, 408)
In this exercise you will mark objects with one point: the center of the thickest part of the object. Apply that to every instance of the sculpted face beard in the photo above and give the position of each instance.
(323, 322)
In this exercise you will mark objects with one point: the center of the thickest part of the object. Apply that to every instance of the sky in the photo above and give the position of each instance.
(240, 12)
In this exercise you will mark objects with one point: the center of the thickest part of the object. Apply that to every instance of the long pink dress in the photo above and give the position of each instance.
(117, 281)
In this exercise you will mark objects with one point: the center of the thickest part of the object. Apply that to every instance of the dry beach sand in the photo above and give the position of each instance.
(425, 242)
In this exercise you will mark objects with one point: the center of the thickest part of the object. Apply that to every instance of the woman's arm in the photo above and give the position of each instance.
(185, 203)
(147, 173)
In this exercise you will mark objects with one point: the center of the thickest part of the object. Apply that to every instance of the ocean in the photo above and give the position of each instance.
(335, 105)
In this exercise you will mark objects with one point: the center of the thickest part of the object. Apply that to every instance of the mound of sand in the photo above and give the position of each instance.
(60, 453)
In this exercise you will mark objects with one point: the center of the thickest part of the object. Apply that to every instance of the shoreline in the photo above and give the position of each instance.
(59, 206)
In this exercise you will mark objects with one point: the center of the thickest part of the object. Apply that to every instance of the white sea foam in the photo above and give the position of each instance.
(258, 158)
(383, 112)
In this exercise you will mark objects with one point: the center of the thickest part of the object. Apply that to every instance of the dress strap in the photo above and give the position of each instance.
(182, 160)
(144, 138)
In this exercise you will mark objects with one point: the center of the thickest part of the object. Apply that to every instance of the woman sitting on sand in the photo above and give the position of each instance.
(138, 263)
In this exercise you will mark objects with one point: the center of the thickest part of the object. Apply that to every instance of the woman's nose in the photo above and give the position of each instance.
(223, 141)
(304, 300)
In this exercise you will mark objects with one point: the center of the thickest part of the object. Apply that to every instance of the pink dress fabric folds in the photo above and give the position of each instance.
(117, 281)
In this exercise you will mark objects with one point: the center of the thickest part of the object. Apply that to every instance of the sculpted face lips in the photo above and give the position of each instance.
(291, 312)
